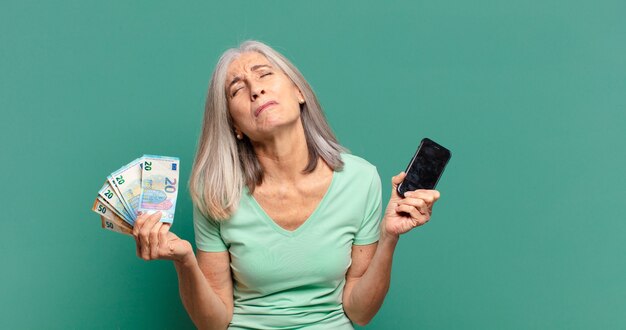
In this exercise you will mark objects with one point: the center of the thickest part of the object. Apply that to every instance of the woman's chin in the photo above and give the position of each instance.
(269, 129)
(271, 122)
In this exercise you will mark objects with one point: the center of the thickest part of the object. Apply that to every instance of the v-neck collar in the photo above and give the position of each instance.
(306, 223)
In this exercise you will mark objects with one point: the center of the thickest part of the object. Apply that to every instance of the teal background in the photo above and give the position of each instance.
(530, 96)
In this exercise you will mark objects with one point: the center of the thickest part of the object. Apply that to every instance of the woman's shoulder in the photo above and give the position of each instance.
(352, 163)
(358, 175)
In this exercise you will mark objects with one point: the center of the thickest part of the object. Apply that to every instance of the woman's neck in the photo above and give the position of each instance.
(284, 156)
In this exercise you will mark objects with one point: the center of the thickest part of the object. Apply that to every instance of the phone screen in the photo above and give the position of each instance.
(426, 167)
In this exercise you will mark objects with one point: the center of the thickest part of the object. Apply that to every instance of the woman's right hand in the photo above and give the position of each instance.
(155, 241)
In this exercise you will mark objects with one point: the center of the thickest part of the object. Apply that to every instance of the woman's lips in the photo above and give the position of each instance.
(264, 106)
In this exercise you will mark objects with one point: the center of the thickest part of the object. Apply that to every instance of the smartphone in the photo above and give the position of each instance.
(426, 167)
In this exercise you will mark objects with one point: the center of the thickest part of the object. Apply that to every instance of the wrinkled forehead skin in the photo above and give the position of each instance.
(245, 62)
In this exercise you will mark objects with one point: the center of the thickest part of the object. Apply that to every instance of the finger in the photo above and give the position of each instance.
(144, 231)
(144, 246)
(407, 211)
(429, 196)
(137, 247)
(154, 240)
(419, 218)
(163, 237)
(418, 203)
(141, 219)
(144, 234)
(413, 213)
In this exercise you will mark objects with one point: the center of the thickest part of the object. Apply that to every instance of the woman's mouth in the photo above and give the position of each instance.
(264, 106)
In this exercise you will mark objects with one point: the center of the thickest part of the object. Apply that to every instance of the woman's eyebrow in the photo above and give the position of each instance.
(236, 79)
(258, 66)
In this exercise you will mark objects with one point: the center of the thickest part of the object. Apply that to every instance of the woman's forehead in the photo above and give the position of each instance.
(246, 62)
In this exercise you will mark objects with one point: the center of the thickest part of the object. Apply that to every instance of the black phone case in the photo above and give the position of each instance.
(425, 143)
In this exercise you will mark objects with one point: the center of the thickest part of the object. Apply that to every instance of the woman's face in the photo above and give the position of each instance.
(261, 98)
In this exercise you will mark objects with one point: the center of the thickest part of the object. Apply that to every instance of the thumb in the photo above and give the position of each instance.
(395, 181)
(178, 247)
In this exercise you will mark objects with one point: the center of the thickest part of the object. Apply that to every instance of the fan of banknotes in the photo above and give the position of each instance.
(147, 184)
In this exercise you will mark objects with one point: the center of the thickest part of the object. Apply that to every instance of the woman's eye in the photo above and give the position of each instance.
(265, 74)
(235, 92)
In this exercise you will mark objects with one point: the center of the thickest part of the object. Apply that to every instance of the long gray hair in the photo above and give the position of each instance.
(223, 164)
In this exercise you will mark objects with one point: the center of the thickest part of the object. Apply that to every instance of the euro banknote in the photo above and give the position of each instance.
(116, 227)
(111, 209)
(159, 186)
(127, 183)
(146, 184)
(109, 219)
(114, 201)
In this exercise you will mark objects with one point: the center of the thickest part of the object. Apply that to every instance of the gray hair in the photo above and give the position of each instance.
(223, 164)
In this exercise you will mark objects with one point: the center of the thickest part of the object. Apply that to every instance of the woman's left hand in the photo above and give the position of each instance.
(404, 214)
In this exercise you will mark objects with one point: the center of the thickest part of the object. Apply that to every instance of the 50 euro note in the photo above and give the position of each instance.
(111, 199)
(159, 186)
(127, 183)
(109, 219)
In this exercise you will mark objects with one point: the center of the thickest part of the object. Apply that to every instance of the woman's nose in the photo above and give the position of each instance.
(256, 91)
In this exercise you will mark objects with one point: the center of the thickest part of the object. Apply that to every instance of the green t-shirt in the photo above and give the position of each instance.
(294, 279)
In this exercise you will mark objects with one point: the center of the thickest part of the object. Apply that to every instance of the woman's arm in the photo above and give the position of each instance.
(205, 283)
(368, 278)
(206, 289)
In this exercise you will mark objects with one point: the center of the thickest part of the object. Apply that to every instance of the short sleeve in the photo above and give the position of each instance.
(207, 231)
(369, 230)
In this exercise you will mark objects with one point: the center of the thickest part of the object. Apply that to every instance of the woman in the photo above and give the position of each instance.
(288, 225)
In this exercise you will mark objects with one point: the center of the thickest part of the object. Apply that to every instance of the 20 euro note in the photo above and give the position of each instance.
(127, 183)
(113, 200)
(109, 219)
(159, 186)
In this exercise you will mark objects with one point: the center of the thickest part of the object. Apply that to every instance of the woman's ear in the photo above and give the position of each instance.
(238, 133)
(300, 97)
